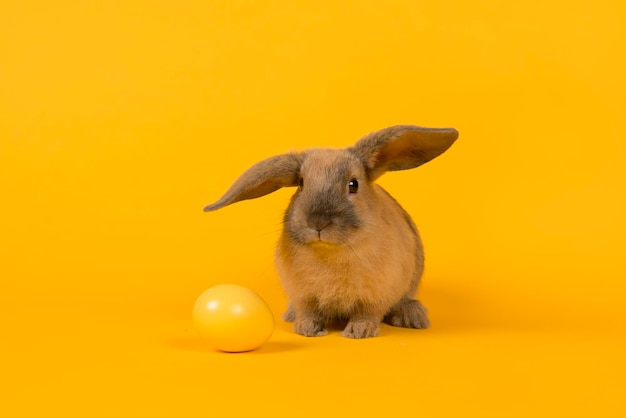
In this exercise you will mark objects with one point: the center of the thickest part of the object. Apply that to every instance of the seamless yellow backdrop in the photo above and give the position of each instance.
(120, 120)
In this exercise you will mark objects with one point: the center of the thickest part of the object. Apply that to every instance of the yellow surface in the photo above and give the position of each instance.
(120, 120)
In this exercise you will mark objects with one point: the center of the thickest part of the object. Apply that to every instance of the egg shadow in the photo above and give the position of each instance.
(200, 345)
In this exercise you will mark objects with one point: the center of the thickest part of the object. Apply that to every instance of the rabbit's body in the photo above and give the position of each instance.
(341, 279)
(348, 250)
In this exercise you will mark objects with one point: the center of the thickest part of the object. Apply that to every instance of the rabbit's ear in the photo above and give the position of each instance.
(402, 147)
(263, 178)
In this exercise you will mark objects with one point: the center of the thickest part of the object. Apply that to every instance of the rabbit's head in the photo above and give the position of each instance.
(334, 202)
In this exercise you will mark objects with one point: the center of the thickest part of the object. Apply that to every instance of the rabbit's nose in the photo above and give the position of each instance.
(319, 221)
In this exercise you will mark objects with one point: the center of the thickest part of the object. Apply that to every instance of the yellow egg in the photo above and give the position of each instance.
(233, 318)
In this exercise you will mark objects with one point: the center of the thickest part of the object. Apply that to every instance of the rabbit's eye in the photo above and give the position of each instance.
(300, 183)
(353, 186)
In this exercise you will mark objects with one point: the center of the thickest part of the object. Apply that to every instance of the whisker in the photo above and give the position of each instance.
(265, 270)
(272, 232)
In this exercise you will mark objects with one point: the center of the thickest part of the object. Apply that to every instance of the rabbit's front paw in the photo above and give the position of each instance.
(309, 327)
(361, 328)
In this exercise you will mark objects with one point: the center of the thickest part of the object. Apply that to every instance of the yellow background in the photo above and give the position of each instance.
(120, 120)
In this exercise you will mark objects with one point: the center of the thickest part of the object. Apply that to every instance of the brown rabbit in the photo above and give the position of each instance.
(348, 251)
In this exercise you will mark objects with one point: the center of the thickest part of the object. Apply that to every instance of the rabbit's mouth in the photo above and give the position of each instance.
(323, 245)
(326, 237)
(318, 237)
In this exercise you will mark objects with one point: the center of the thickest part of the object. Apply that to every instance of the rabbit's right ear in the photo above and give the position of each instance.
(263, 178)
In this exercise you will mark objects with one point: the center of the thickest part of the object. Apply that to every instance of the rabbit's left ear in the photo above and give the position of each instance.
(402, 147)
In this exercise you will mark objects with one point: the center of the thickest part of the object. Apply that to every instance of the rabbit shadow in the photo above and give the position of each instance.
(455, 309)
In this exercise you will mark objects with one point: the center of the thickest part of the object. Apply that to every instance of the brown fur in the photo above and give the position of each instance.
(342, 255)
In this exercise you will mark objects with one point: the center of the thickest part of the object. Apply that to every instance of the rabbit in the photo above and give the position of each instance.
(348, 251)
